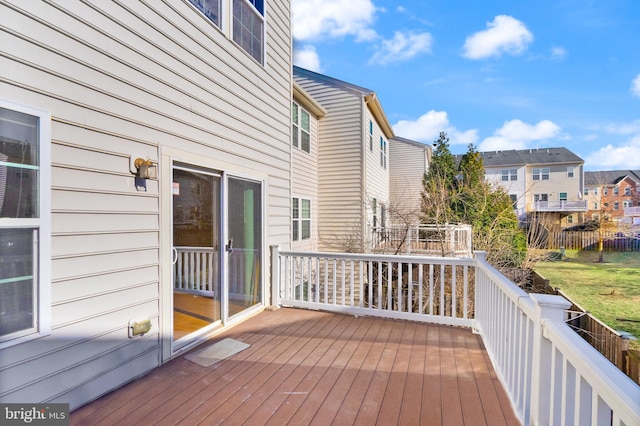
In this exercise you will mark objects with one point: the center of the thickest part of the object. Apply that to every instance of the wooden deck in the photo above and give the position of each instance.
(308, 367)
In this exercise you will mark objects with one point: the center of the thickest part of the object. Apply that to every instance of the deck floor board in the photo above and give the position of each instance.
(309, 367)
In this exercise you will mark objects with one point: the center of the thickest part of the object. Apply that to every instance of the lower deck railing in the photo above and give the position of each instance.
(550, 373)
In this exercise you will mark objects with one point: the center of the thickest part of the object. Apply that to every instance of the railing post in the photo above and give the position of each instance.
(547, 308)
(275, 277)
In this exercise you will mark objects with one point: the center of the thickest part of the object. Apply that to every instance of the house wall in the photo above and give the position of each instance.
(558, 182)
(512, 187)
(305, 184)
(121, 79)
(408, 163)
(340, 165)
(376, 176)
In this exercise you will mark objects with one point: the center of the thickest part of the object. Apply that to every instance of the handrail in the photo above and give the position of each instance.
(550, 373)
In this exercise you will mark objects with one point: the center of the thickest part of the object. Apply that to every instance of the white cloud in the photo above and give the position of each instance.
(401, 47)
(558, 53)
(635, 86)
(610, 157)
(427, 128)
(504, 35)
(623, 128)
(307, 57)
(316, 19)
(516, 134)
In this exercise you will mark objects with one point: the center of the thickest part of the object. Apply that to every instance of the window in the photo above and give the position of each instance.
(248, 27)
(570, 219)
(605, 191)
(595, 206)
(383, 153)
(514, 200)
(509, 174)
(300, 128)
(586, 191)
(25, 294)
(374, 210)
(541, 173)
(616, 205)
(570, 171)
(595, 191)
(210, 9)
(370, 135)
(627, 203)
(563, 196)
(627, 190)
(540, 197)
(301, 214)
(616, 190)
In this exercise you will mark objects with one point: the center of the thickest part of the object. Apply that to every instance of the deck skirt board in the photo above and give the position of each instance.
(309, 367)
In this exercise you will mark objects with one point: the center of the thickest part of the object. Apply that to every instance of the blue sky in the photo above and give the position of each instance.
(498, 74)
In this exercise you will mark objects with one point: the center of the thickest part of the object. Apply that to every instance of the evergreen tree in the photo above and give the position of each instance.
(458, 193)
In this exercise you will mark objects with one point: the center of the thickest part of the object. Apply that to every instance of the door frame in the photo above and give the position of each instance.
(168, 156)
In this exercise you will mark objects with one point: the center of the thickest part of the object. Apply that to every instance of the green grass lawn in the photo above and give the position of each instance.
(610, 291)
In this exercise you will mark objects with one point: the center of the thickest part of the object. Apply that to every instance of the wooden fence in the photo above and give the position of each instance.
(589, 240)
(606, 340)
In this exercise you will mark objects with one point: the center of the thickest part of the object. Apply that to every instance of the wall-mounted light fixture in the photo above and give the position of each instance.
(143, 168)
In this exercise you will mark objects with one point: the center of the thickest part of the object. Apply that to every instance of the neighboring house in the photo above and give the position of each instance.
(548, 180)
(408, 163)
(305, 114)
(610, 192)
(353, 161)
(196, 102)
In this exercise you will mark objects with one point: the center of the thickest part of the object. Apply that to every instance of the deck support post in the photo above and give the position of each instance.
(547, 308)
(275, 277)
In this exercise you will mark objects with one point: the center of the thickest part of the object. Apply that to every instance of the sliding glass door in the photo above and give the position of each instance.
(244, 246)
(196, 250)
(216, 249)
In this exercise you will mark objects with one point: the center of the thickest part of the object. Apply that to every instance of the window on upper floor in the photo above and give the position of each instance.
(605, 191)
(300, 128)
(25, 300)
(509, 174)
(563, 196)
(586, 191)
(595, 206)
(627, 203)
(370, 135)
(248, 27)
(540, 197)
(301, 215)
(616, 205)
(616, 190)
(627, 190)
(541, 173)
(595, 191)
(383, 153)
(570, 171)
(210, 9)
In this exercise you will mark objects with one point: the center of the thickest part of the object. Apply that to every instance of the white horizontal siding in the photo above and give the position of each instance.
(340, 186)
(408, 164)
(126, 79)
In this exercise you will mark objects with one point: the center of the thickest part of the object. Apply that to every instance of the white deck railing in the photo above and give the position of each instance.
(435, 240)
(551, 374)
(196, 270)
